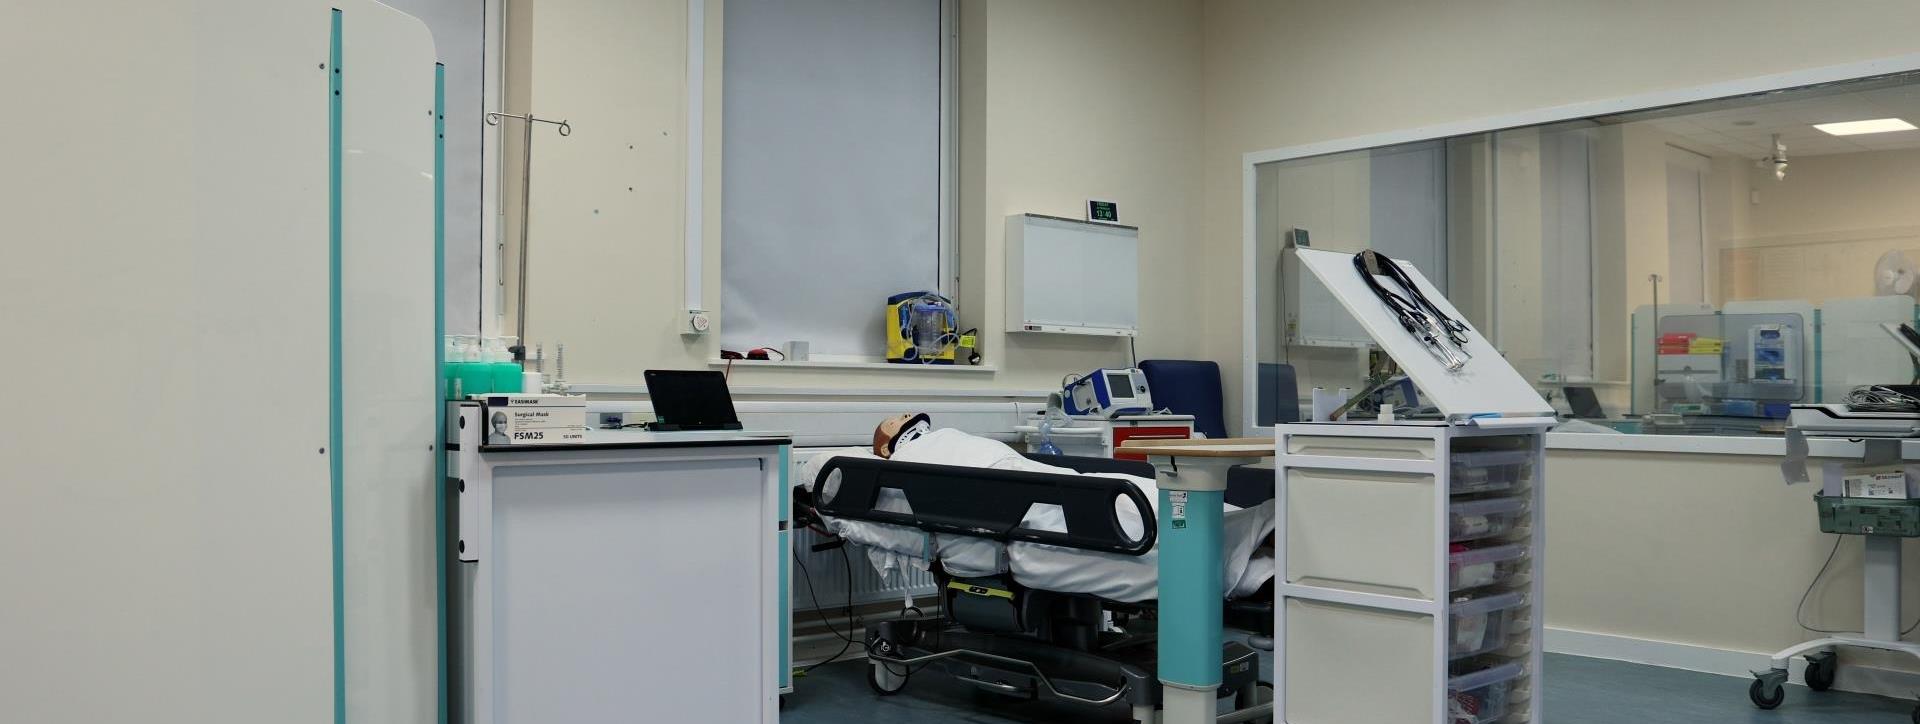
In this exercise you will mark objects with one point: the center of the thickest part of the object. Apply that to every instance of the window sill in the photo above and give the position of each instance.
(851, 365)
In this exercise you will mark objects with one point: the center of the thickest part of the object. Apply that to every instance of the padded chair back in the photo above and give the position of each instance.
(1279, 394)
(1189, 387)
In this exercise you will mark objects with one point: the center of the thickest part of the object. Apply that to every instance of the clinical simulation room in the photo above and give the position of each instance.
(961, 361)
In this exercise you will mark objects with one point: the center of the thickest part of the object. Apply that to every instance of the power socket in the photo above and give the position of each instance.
(697, 323)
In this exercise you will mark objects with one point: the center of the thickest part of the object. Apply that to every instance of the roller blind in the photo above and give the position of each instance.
(831, 168)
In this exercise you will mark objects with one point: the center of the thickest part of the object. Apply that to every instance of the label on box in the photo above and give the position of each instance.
(517, 420)
(1883, 484)
(1178, 499)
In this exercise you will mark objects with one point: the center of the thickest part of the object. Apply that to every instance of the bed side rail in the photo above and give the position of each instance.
(987, 503)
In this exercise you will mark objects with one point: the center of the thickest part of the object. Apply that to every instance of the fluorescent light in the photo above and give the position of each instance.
(1855, 128)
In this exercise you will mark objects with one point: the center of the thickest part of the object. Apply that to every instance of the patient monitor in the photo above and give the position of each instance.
(1109, 393)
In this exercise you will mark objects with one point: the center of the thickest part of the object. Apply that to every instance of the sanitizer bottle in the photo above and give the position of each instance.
(472, 374)
(505, 372)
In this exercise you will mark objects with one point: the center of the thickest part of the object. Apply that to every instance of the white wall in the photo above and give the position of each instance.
(1817, 235)
(1701, 550)
(607, 202)
(164, 526)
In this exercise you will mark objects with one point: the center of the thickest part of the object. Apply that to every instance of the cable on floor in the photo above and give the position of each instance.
(1799, 611)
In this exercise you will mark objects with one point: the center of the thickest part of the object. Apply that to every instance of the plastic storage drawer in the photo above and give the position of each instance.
(1482, 625)
(1486, 471)
(1482, 567)
(1480, 519)
(1894, 517)
(1481, 697)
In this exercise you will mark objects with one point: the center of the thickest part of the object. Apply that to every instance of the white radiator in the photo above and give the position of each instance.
(829, 573)
(829, 576)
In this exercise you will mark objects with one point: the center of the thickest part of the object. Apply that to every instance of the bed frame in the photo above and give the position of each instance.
(1005, 638)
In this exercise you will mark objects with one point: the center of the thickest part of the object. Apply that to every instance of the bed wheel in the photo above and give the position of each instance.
(884, 681)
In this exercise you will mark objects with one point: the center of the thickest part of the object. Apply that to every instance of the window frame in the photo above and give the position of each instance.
(1250, 161)
(946, 214)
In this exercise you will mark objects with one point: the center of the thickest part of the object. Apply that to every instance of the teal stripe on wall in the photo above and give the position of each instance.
(335, 423)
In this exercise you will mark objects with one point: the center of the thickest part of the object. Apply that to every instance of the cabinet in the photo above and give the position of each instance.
(1410, 587)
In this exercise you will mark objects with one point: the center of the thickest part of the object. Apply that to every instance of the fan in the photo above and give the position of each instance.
(1896, 275)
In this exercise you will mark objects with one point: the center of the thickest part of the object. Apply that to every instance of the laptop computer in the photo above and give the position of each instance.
(1584, 404)
(690, 400)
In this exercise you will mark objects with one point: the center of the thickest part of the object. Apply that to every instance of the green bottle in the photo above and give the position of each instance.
(502, 371)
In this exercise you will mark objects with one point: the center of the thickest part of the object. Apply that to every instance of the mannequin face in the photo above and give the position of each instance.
(893, 431)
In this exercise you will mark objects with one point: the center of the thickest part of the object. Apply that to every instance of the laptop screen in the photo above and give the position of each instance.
(691, 400)
(1584, 404)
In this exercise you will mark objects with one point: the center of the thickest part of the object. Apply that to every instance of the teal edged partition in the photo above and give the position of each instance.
(440, 382)
(336, 424)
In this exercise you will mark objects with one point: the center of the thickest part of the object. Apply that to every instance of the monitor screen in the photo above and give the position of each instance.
(1119, 384)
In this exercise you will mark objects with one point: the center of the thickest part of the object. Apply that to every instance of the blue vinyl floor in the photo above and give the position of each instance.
(1578, 691)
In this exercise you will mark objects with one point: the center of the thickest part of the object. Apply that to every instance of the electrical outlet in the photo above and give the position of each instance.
(698, 323)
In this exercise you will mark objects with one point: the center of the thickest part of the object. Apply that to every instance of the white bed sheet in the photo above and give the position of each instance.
(1247, 565)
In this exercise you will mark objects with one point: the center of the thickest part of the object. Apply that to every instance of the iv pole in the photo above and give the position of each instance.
(519, 348)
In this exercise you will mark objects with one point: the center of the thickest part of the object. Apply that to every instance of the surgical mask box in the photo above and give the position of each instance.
(1886, 484)
(1843, 479)
(535, 419)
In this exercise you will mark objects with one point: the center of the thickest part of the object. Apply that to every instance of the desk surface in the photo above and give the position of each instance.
(1230, 447)
(598, 439)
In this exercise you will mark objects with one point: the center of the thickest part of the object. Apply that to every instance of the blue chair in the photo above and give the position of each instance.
(1189, 387)
(1279, 393)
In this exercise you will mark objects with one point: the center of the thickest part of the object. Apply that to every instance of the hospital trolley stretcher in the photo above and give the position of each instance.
(1009, 639)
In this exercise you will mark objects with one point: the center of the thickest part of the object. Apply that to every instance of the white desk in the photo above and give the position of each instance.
(636, 577)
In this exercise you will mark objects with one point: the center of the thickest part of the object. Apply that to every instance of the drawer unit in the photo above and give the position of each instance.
(1410, 590)
(1360, 531)
(1357, 664)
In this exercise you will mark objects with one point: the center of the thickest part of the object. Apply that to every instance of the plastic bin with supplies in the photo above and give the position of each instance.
(1471, 567)
(1480, 519)
(1486, 471)
(1482, 625)
(1482, 696)
(1895, 517)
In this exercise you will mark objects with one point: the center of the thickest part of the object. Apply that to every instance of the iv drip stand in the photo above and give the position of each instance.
(519, 348)
(1654, 398)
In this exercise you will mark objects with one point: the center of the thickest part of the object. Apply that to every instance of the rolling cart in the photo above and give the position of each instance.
(1410, 552)
(1845, 451)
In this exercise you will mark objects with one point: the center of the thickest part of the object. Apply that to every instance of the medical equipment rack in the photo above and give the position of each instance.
(1385, 547)
(1881, 542)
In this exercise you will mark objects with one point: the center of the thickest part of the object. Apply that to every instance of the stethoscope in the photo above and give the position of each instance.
(1444, 336)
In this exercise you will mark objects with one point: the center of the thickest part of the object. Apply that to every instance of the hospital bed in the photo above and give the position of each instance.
(1000, 627)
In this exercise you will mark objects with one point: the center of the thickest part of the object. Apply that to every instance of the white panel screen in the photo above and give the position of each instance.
(459, 35)
(831, 171)
(1076, 274)
(387, 394)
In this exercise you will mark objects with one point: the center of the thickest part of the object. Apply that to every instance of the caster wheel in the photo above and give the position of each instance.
(1820, 670)
(1764, 696)
(1916, 715)
(874, 683)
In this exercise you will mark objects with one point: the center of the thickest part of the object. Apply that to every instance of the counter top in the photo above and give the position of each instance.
(598, 439)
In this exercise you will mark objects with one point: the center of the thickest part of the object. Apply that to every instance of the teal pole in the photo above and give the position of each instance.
(440, 380)
(1191, 587)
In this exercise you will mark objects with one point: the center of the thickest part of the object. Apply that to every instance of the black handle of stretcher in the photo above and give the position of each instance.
(988, 503)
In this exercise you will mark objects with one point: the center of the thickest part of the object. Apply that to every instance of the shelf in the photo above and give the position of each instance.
(850, 365)
(1042, 328)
